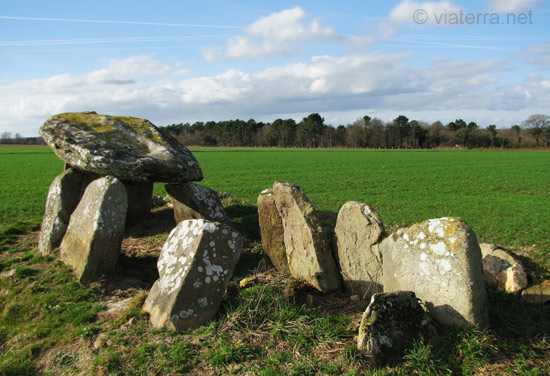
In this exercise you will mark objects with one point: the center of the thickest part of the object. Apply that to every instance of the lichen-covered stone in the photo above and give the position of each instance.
(195, 266)
(63, 197)
(539, 293)
(307, 248)
(440, 261)
(128, 148)
(91, 245)
(358, 229)
(140, 201)
(193, 201)
(391, 323)
(272, 230)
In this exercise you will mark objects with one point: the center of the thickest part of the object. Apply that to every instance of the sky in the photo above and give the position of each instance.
(486, 61)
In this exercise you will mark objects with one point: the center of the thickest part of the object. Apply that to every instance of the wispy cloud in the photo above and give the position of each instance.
(49, 42)
(421, 12)
(510, 6)
(46, 19)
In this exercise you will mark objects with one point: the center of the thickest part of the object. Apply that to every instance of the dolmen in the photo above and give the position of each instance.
(438, 260)
(111, 164)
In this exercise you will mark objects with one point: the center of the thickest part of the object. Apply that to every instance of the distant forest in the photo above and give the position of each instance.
(365, 132)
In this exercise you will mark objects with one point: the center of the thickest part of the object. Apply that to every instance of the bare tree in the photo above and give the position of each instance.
(535, 124)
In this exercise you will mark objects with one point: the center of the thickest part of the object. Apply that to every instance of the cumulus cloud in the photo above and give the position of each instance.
(276, 34)
(422, 12)
(374, 83)
(511, 6)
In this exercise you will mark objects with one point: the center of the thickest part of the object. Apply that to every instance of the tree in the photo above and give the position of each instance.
(493, 129)
(309, 130)
(535, 124)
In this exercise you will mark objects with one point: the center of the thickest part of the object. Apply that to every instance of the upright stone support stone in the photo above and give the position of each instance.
(195, 266)
(272, 230)
(308, 250)
(440, 261)
(193, 201)
(140, 201)
(91, 245)
(63, 197)
(359, 229)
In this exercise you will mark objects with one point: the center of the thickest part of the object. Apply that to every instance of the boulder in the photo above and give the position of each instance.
(272, 230)
(502, 270)
(391, 323)
(440, 261)
(358, 230)
(140, 201)
(307, 248)
(195, 266)
(513, 279)
(193, 201)
(539, 293)
(131, 149)
(91, 245)
(63, 197)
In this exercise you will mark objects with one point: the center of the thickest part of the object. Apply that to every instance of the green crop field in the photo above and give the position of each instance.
(50, 324)
(503, 195)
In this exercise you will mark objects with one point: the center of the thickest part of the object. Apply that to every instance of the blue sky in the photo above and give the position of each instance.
(180, 61)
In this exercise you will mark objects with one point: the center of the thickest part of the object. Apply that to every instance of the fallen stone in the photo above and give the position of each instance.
(131, 149)
(358, 229)
(440, 261)
(307, 248)
(91, 245)
(63, 197)
(193, 201)
(195, 267)
(538, 293)
(140, 201)
(492, 267)
(391, 323)
(272, 230)
(513, 279)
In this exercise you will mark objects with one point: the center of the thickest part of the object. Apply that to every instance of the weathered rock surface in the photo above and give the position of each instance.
(195, 266)
(539, 293)
(272, 230)
(63, 197)
(358, 229)
(513, 279)
(193, 201)
(390, 324)
(502, 270)
(131, 149)
(307, 248)
(140, 201)
(440, 261)
(91, 245)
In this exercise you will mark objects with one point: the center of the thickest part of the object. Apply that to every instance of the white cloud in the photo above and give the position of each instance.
(511, 6)
(276, 34)
(538, 55)
(427, 12)
(373, 83)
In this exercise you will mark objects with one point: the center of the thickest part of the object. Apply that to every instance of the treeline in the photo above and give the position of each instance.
(7, 139)
(365, 132)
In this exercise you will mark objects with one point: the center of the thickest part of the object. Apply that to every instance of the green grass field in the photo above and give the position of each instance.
(503, 195)
(51, 325)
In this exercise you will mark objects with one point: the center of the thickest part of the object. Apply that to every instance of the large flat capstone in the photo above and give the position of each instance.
(131, 149)
(440, 261)
(91, 245)
(195, 266)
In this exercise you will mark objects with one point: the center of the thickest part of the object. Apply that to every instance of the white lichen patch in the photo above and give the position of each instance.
(203, 302)
(439, 248)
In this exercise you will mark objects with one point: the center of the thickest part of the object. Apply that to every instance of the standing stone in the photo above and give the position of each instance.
(272, 230)
(131, 149)
(193, 201)
(440, 261)
(91, 245)
(391, 323)
(195, 266)
(140, 201)
(307, 248)
(63, 197)
(358, 230)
